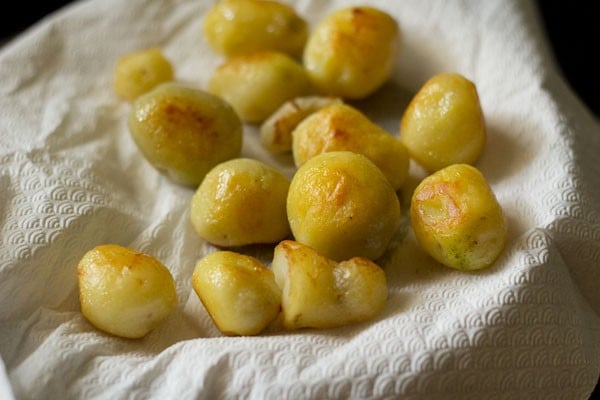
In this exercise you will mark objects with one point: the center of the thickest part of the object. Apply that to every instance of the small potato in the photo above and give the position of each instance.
(240, 202)
(258, 84)
(238, 291)
(341, 204)
(320, 293)
(124, 292)
(444, 124)
(351, 52)
(276, 131)
(457, 219)
(236, 27)
(138, 72)
(184, 132)
(341, 127)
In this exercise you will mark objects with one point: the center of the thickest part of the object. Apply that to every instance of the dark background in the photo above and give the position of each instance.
(572, 28)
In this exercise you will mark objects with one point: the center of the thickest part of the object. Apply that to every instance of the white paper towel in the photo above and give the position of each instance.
(71, 178)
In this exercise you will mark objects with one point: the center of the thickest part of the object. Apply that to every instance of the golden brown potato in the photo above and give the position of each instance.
(341, 127)
(351, 52)
(444, 124)
(124, 292)
(276, 131)
(341, 204)
(320, 293)
(257, 84)
(457, 219)
(240, 202)
(184, 132)
(238, 291)
(138, 72)
(236, 27)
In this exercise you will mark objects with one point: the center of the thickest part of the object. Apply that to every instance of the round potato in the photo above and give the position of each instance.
(457, 218)
(238, 291)
(351, 52)
(139, 72)
(236, 27)
(240, 202)
(341, 204)
(124, 292)
(342, 127)
(444, 124)
(184, 132)
(257, 84)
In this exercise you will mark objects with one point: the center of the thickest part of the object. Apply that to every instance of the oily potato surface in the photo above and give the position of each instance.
(139, 72)
(241, 201)
(444, 123)
(457, 218)
(341, 204)
(124, 292)
(184, 132)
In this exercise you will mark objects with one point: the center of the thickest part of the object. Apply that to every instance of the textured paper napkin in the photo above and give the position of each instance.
(71, 178)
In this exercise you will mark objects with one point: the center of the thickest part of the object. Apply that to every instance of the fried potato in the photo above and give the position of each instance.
(139, 72)
(457, 218)
(444, 123)
(236, 27)
(351, 52)
(184, 132)
(238, 291)
(257, 84)
(320, 293)
(240, 202)
(342, 127)
(124, 292)
(341, 204)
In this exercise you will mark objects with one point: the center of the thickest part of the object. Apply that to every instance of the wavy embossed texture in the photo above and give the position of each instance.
(71, 178)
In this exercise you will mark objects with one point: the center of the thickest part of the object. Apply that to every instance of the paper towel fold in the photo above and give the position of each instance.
(71, 178)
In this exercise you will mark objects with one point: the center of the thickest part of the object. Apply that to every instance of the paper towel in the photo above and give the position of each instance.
(71, 178)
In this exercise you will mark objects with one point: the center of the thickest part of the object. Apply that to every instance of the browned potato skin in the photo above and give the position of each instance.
(351, 52)
(444, 123)
(457, 218)
(236, 27)
(184, 132)
(139, 72)
(342, 127)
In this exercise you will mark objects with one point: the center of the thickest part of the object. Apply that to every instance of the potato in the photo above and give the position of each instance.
(237, 27)
(257, 84)
(341, 204)
(342, 127)
(444, 124)
(238, 291)
(184, 132)
(124, 292)
(457, 218)
(351, 52)
(240, 202)
(320, 293)
(276, 131)
(138, 72)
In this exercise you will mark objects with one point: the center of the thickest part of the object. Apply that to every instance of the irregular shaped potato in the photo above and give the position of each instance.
(184, 132)
(240, 202)
(258, 84)
(341, 204)
(238, 291)
(276, 131)
(351, 52)
(237, 27)
(444, 124)
(138, 72)
(320, 293)
(341, 127)
(124, 292)
(457, 219)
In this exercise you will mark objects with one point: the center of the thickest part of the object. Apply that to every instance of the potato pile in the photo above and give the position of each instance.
(337, 216)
